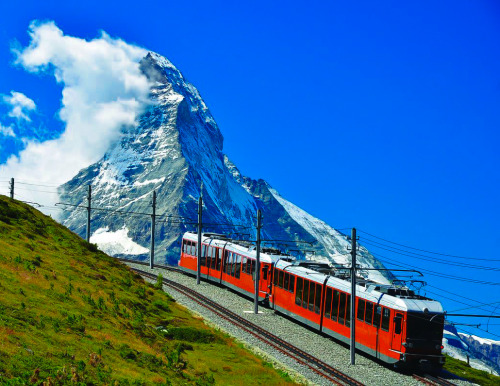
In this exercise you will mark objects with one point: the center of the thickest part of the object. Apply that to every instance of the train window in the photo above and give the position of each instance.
(215, 253)
(254, 265)
(232, 259)
(311, 296)
(193, 248)
(377, 315)
(369, 312)
(226, 262)
(298, 294)
(188, 247)
(342, 302)
(234, 265)
(275, 278)
(217, 258)
(280, 279)
(317, 302)
(244, 264)
(249, 266)
(328, 302)
(386, 317)
(205, 258)
(305, 296)
(229, 263)
(286, 280)
(265, 269)
(397, 323)
(237, 267)
(292, 283)
(335, 305)
(361, 309)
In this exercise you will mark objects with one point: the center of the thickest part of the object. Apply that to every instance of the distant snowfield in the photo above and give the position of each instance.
(458, 349)
(114, 243)
(481, 340)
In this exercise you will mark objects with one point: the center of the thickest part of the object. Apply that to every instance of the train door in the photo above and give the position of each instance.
(397, 332)
(265, 276)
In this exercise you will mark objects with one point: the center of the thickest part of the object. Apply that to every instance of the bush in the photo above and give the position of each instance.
(159, 282)
(190, 334)
(127, 353)
(161, 305)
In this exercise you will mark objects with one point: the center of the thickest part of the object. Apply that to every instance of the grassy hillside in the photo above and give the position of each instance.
(69, 313)
(462, 369)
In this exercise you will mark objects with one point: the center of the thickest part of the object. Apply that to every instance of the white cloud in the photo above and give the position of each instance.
(20, 105)
(103, 90)
(6, 131)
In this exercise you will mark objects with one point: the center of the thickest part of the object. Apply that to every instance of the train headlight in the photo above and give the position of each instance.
(439, 347)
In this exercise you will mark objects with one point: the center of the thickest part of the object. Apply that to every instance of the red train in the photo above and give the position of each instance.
(393, 324)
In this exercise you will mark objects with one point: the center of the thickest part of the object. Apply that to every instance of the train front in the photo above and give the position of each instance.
(423, 335)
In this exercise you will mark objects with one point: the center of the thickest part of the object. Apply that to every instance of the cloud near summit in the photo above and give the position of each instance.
(103, 90)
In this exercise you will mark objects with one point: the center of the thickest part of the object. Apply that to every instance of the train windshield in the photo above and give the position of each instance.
(425, 326)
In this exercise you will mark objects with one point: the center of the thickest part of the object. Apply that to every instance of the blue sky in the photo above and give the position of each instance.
(384, 116)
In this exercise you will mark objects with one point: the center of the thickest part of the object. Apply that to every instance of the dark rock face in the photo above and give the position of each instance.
(174, 150)
(486, 350)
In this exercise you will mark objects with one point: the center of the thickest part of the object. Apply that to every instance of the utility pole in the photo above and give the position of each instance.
(12, 188)
(353, 296)
(198, 266)
(153, 224)
(89, 200)
(257, 268)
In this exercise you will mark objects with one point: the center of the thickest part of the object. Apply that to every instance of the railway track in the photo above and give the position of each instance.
(316, 365)
(431, 380)
(321, 368)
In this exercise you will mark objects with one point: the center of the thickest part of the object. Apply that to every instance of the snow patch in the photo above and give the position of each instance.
(114, 243)
(148, 182)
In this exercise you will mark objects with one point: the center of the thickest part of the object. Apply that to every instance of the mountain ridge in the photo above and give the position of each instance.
(177, 150)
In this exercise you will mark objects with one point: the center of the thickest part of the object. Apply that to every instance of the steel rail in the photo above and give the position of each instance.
(319, 367)
(431, 380)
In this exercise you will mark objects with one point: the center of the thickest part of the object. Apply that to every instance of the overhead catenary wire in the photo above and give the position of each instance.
(452, 293)
(434, 273)
(424, 250)
(482, 329)
(434, 259)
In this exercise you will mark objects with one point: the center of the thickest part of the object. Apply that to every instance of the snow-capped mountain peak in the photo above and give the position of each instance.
(175, 149)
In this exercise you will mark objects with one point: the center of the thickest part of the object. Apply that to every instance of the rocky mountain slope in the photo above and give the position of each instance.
(483, 354)
(176, 150)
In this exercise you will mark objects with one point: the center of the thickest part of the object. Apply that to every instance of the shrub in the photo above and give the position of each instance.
(159, 282)
(161, 305)
(190, 334)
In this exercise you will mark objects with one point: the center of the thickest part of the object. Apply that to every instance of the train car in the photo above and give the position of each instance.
(393, 324)
(228, 263)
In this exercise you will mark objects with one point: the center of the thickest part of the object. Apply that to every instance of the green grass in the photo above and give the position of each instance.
(71, 314)
(462, 369)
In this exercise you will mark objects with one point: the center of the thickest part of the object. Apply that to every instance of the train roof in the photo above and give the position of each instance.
(267, 255)
(399, 298)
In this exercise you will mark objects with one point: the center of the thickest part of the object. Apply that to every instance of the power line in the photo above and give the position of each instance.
(467, 308)
(434, 273)
(37, 191)
(470, 333)
(452, 293)
(423, 250)
(435, 259)
(44, 185)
